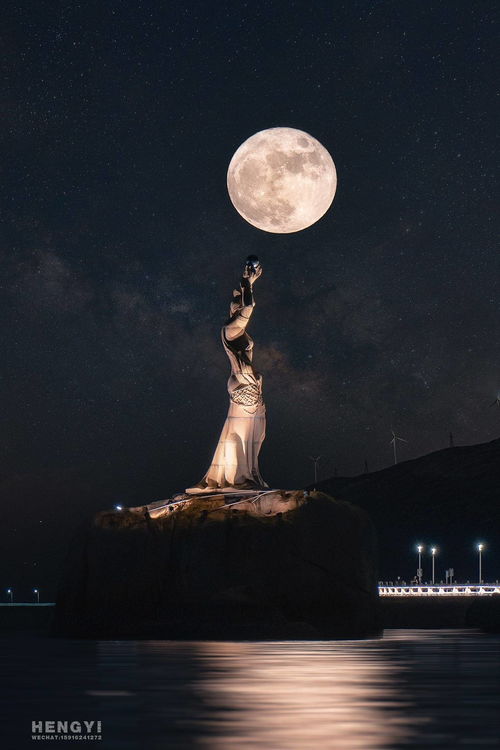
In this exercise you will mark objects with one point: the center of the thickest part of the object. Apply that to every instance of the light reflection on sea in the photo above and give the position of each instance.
(410, 689)
(303, 695)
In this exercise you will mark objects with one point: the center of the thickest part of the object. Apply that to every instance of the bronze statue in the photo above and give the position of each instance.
(235, 464)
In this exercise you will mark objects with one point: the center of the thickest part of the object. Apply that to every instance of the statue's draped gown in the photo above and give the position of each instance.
(235, 461)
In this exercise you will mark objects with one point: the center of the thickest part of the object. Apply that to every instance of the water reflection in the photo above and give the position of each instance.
(303, 695)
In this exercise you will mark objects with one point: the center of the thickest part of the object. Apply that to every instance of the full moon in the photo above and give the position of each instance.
(281, 180)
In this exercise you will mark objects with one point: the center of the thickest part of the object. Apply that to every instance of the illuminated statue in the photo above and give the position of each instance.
(235, 463)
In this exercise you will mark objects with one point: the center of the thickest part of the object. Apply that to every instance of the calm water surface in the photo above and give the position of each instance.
(413, 688)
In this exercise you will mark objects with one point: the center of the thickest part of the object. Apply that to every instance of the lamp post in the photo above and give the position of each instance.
(11, 595)
(37, 594)
(480, 548)
(420, 549)
(433, 553)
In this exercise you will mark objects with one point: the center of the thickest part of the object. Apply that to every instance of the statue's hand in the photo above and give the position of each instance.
(252, 274)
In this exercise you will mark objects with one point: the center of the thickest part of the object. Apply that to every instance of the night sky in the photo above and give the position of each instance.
(120, 246)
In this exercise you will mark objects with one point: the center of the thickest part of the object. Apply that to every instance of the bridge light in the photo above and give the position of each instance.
(480, 548)
(433, 553)
(420, 548)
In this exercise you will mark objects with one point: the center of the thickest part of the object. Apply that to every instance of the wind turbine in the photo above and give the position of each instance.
(393, 442)
(316, 461)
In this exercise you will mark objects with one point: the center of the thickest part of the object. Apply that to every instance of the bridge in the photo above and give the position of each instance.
(456, 589)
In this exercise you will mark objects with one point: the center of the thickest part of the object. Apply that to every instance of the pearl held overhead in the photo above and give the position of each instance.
(281, 180)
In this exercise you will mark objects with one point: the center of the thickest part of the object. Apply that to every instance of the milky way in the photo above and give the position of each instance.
(120, 246)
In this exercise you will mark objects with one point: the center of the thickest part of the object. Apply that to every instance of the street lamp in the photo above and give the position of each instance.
(420, 549)
(37, 594)
(11, 595)
(480, 548)
(433, 553)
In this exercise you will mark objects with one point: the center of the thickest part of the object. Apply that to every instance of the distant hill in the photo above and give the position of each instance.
(450, 498)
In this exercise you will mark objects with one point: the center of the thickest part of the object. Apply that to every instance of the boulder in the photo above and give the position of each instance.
(302, 566)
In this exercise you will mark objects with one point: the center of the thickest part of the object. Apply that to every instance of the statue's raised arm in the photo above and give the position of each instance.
(242, 304)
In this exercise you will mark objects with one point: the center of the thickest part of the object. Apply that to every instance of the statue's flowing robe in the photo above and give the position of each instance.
(235, 461)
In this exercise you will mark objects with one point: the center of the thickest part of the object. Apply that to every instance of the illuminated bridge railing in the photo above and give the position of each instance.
(466, 589)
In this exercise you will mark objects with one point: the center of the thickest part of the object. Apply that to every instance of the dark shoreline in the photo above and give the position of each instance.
(433, 612)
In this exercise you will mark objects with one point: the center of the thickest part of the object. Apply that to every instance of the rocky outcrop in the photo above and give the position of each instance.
(211, 570)
(448, 498)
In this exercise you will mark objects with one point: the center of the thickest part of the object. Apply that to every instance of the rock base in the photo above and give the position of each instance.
(255, 503)
(282, 564)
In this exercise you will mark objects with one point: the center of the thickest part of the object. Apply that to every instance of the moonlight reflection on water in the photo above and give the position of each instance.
(303, 695)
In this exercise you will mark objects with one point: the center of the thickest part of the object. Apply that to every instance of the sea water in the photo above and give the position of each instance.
(409, 689)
